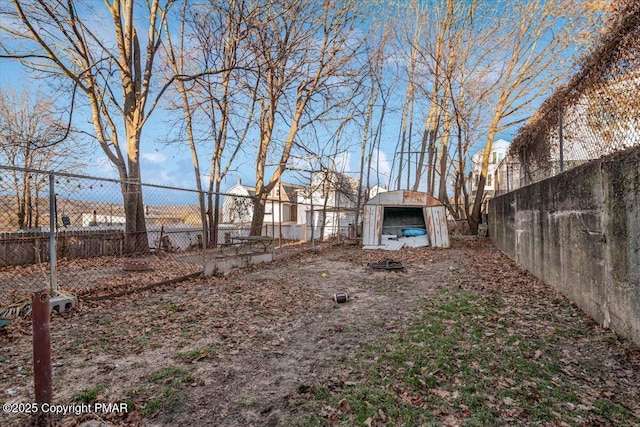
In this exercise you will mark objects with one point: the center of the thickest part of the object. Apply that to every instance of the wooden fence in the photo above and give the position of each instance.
(33, 247)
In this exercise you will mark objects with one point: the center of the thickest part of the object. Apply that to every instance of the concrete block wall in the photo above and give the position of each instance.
(580, 233)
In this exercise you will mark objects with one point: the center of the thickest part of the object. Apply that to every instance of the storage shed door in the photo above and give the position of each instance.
(372, 225)
(436, 220)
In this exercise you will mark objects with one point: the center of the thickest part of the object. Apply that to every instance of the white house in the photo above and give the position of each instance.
(499, 150)
(238, 210)
(330, 202)
(375, 190)
(281, 206)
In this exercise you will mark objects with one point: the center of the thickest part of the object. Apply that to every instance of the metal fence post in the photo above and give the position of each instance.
(205, 234)
(561, 139)
(53, 214)
(526, 169)
(41, 355)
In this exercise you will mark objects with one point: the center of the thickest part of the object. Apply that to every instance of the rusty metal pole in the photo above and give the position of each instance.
(41, 354)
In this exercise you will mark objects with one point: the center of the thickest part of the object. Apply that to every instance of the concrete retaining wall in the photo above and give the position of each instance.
(580, 232)
(227, 264)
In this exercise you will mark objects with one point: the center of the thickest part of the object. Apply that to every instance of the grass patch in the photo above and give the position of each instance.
(168, 402)
(468, 359)
(171, 308)
(195, 354)
(91, 395)
(172, 375)
(263, 336)
(168, 399)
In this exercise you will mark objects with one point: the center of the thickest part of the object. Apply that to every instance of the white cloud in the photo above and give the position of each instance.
(380, 169)
(350, 164)
(156, 157)
(103, 168)
(342, 161)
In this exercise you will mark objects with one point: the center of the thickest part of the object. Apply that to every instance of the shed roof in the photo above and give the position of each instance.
(404, 198)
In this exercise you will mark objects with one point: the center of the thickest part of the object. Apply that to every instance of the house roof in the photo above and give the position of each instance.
(242, 189)
(341, 183)
(289, 189)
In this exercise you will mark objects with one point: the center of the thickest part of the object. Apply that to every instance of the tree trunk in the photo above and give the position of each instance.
(29, 202)
(312, 221)
(136, 241)
(37, 207)
(444, 163)
(323, 226)
(257, 219)
(476, 212)
(444, 155)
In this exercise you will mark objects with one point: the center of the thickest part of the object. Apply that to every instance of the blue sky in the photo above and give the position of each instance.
(162, 163)
(170, 164)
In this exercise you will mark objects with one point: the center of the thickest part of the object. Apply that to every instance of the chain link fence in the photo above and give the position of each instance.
(596, 114)
(69, 233)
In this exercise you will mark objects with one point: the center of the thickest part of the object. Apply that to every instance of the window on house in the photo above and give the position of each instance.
(489, 180)
(494, 157)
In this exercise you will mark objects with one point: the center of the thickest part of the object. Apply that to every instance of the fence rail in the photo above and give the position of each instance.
(34, 247)
(68, 231)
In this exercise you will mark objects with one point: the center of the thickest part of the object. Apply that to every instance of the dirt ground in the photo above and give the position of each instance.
(244, 349)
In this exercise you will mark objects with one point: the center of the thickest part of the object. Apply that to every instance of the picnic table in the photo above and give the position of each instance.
(252, 242)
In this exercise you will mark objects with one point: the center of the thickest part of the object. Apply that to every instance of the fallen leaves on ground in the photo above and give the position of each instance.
(261, 341)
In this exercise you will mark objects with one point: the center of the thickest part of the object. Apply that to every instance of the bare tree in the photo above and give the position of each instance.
(413, 35)
(466, 100)
(474, 60)
(462, 69)
(178, 58)
(374, 55)
(533, 47)
(302, 49)
(32, 136)
(441, 18)
(433, 39)
(210, 37)
(99, 51)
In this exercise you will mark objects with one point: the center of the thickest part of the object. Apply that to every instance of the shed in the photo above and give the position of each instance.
(391, 212)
